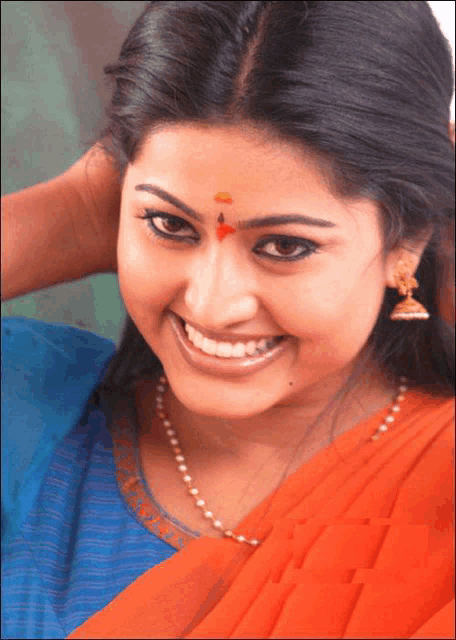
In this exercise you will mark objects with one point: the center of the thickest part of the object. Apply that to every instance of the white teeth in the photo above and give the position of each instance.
(209, 346)
(224, 350)
(238, 350)
(198, 340)
(251, 347)
(227, 349)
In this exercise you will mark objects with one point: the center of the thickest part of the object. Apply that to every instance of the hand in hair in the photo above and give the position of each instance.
(63, 229)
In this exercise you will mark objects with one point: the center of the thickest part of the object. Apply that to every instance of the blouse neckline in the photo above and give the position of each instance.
(139, 498)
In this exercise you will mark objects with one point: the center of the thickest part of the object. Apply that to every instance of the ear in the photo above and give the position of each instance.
(410, 253)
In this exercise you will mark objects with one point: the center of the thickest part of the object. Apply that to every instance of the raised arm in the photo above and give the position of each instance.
(63, 229)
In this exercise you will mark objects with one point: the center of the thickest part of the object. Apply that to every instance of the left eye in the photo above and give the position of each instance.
(288, 246)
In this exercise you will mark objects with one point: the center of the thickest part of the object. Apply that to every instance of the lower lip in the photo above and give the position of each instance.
(223, 366)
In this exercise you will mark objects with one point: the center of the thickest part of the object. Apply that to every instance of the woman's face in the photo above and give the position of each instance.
(321, 285)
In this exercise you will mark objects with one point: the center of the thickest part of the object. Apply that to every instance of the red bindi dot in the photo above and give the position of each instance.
(223, 229)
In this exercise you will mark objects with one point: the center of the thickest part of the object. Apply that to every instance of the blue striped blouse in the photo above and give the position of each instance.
(70, 543)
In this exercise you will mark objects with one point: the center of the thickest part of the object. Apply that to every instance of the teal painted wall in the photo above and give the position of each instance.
(53, 98)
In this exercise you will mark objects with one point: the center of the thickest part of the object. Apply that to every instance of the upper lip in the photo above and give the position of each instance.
(226, 337)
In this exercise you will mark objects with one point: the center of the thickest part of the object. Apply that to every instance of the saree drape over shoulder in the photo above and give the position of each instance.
(358, 543)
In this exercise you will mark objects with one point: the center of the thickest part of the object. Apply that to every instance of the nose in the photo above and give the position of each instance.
(220, 289)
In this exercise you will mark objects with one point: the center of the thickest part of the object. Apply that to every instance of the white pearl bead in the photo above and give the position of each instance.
(167, 423)
(200, 503)
(217, 524)
(182, 467)
(389, 419)
(403, 379)
(208, 514)
(254, 543)
(160, 387)
(402, 388)
(170, 432)
(194, 491)
(400, 397)
(174, 441)
(187, 478)
(383, 427)
(241, 538)
(180, 458)
(228, 533)
(396, 408)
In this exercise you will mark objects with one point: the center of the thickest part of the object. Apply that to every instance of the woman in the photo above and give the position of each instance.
(268, 451)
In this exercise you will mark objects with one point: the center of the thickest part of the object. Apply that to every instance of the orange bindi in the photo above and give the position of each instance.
(224, 197)
(223, 229)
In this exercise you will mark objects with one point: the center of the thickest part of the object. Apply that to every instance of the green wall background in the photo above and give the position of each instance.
(53, 98)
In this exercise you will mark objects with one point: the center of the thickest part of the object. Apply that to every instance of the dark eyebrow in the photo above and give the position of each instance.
(266, 221)
(164, 195)
(271, 221)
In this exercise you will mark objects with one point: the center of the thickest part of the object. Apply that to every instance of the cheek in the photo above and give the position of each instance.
(143, 282)
(334, 318)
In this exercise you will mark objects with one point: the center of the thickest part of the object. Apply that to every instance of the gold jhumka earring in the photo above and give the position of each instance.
(408, 309)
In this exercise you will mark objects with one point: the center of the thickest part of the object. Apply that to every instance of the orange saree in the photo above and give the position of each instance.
(358, 543)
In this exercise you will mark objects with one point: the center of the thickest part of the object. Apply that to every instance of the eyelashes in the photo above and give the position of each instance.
(170, 226)
(167, 226)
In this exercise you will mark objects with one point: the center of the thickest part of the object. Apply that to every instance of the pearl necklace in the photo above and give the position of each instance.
(193, 491)
(394, 409)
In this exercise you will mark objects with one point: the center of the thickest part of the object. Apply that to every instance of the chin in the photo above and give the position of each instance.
(216, 401)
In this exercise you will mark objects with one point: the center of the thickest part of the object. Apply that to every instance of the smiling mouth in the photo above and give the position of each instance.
(265, 344)
(229, 366)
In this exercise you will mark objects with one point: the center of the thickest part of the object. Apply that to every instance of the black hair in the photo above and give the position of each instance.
(366, 87)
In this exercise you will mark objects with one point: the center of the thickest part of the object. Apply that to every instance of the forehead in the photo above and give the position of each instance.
(195, 162)
(241, 154)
